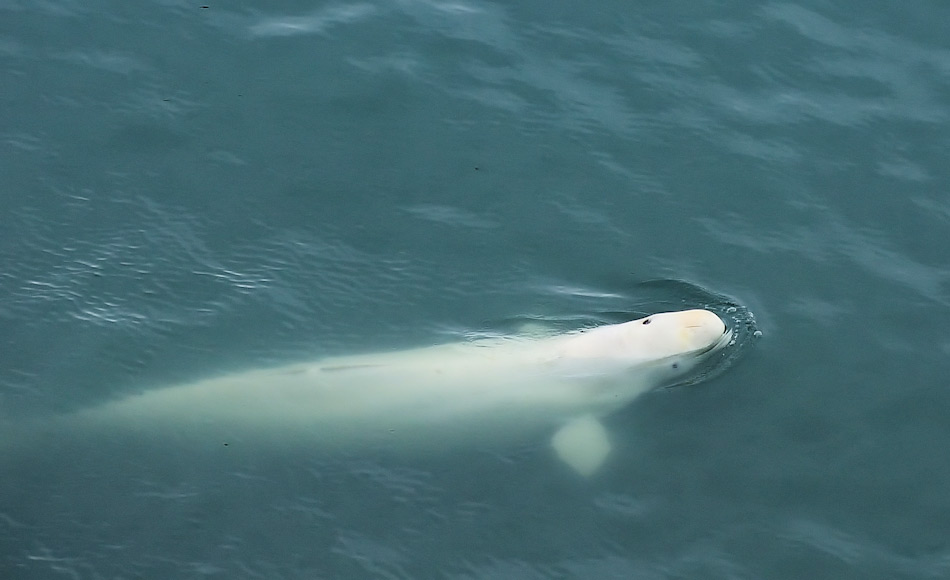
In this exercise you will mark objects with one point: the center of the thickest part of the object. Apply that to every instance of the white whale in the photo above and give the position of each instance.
(441, 396)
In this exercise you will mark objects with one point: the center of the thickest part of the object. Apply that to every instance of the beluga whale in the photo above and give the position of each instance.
(436, 397)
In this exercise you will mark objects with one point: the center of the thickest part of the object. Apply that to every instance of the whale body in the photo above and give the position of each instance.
(438, 396)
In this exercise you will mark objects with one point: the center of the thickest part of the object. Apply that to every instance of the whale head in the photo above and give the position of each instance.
(675, 339)
(661, 348)
(671, 334)
(672, 344)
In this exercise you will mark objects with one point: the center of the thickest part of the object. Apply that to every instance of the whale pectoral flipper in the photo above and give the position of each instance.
(582, 443)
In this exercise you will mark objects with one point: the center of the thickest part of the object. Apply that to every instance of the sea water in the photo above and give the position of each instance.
(190, 189)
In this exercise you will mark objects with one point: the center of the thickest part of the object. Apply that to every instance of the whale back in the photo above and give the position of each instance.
(465, 391)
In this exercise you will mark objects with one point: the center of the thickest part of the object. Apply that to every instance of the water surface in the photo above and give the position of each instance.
(190, 189)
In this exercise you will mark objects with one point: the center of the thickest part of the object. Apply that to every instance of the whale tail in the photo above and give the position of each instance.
(20, 444)
(33, 441)
(29, 437)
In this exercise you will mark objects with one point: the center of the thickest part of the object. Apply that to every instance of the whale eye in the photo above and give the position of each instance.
(676, 365)
(647, 321)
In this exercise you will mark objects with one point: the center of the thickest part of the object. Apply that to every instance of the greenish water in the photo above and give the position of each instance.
(190, 188)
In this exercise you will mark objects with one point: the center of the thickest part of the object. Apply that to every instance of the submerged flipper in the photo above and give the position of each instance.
(582, 444)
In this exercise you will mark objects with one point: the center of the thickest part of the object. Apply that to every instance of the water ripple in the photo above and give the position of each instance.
(316, 22)
(860, 553)
(822, 242)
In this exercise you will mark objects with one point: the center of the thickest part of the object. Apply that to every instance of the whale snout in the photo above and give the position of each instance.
(701, 329)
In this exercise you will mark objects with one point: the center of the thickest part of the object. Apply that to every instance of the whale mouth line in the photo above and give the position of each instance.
(723, 339)
(725, 330)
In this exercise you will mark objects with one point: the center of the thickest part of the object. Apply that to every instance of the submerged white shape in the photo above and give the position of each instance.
(583, 444)
(439, 397)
